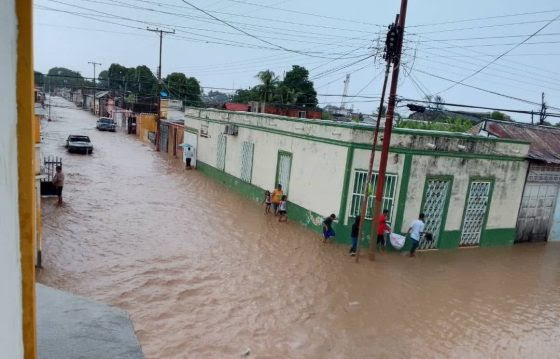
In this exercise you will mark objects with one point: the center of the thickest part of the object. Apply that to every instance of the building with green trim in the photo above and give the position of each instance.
(469, 187)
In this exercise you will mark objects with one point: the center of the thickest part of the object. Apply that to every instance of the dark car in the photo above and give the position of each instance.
(106, 124)
(79, 144)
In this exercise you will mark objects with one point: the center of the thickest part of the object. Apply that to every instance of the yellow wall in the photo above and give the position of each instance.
(26, 172)
(145, 122)
(37, 129)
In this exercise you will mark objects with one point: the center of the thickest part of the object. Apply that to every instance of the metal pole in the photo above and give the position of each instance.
(387, 132)
(371, 160)
(160, 44)
(94, 83)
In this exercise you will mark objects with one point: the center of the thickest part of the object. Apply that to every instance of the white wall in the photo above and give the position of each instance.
(11, 343)
(312, 163)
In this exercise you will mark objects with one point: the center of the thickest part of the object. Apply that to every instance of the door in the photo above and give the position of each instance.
(247, 150)
(221, 152)
(283, 170)
(475, 213)
(436, 199)
(535, 214)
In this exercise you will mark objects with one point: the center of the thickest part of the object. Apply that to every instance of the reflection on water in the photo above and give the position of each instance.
(204, 274)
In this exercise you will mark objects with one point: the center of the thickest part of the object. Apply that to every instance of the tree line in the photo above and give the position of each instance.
(134, 83)
(294, 89)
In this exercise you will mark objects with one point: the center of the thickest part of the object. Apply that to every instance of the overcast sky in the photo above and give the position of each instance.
(330, 38)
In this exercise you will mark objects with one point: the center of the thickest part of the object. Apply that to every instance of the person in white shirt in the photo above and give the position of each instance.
(416, 231)
(189, 154)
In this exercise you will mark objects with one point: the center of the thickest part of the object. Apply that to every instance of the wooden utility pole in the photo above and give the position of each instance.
(388, 129)
(542, 115)
(161, 32)
(94, 83)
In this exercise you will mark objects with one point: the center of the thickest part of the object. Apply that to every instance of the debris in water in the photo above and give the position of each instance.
(246, 353)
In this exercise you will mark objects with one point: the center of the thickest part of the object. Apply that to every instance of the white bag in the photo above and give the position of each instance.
(397, 241)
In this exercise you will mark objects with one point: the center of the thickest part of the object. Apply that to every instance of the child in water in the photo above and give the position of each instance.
(282, 210)
(267, 201)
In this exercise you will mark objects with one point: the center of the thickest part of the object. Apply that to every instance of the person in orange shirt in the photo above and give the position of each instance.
(277, 198)
(381, 229)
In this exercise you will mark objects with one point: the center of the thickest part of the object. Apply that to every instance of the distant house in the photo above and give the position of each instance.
(311, 113)
(539, 214)
(233, 106)
(101, 103)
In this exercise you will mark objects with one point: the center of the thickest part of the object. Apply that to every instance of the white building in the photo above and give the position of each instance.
(469, 187)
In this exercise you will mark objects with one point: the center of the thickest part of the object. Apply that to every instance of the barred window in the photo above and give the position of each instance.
(358, 193)
(247, 149)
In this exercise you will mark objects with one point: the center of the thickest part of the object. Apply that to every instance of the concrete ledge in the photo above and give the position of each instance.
(73, 327)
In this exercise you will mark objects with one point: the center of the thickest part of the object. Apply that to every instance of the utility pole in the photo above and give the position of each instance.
(94, 78)
(345, 92)
(161, 32)
(542, 115)
(390, 51)
(388, 125)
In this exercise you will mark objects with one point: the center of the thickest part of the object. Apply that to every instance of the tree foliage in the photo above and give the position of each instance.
(59, 77)
(451, 125)
(294, 89)
(497, 115)
(184, 88)
(38, 78)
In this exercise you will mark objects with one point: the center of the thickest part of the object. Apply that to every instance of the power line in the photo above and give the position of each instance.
(485, 18)
(501, 55)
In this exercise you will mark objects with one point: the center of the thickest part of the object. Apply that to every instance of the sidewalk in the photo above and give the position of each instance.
(73, 327)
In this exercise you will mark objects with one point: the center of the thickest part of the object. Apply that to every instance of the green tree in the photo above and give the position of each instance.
(246, 96)
(184, 88)
(500, 116)
(269, 82)
(297, 79)
(39, 78)
(59, 77)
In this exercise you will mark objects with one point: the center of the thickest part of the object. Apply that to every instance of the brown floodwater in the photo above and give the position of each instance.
(205, 274)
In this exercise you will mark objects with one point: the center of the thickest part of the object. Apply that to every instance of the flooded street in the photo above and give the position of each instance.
(205, 274)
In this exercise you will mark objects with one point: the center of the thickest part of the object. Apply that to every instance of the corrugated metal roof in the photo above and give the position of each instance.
(101, 94)
(545, 140)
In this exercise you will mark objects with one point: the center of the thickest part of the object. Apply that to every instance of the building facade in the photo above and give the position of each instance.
(539, 214)
(466, 185)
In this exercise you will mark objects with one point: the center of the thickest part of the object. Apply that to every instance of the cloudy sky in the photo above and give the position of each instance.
(225, 47)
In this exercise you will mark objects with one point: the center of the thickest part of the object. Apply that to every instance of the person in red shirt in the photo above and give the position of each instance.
(381, 229)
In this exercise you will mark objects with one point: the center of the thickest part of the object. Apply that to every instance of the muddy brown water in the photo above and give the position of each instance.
(205, 274)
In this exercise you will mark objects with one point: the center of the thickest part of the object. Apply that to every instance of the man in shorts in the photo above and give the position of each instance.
(415, 231)
(58, 182)
(328, 232)
(381, 229)
(277, 198)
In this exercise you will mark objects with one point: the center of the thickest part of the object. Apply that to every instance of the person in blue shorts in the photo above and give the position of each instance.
(328, 232)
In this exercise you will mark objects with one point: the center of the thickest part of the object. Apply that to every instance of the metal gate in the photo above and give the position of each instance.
(475, 213)
(164, 137)
(436, 197)
(48, 171)
(283, 170)
(537, 207)
(221, 153)
(247, 161)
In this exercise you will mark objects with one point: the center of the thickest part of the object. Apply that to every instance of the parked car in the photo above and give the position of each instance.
(106, 124)
(78, 143)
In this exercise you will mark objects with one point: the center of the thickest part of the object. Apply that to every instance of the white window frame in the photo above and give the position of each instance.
(358, 192)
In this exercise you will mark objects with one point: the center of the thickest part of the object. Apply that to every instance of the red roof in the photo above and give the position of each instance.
(545, 140)
(232, 106)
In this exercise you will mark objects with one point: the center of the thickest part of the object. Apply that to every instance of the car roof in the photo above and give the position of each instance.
(78, 137)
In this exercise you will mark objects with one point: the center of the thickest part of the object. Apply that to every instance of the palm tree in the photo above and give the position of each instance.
(269, 81)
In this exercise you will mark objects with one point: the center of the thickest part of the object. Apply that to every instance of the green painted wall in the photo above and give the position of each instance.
(448, 239)
(498, 237)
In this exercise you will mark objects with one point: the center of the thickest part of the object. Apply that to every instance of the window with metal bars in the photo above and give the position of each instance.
(359, 189)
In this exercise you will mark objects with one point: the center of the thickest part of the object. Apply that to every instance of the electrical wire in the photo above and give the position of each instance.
(501, 55)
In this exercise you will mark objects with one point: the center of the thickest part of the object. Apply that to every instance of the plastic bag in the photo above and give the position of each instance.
(397, 241)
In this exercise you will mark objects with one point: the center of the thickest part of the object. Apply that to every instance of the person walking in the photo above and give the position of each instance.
(267, 201)
(415, 231)
(189, 154)
(354, 236)
(277, 198)
(58, 182)
(328, 232)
